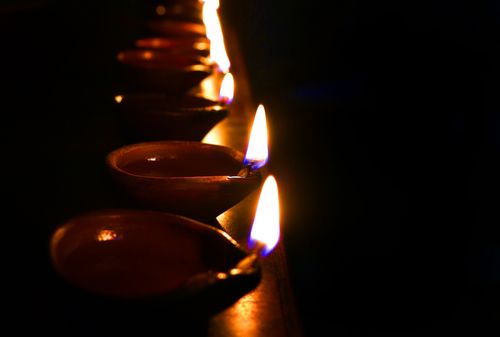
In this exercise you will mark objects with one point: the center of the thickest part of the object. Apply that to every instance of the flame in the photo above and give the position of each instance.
(266, 224)
(257, 152)
(227, 89)
(214, 34)
(118, 98)
(106, 235)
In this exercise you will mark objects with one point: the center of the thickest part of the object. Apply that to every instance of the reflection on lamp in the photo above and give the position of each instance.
(106, 235)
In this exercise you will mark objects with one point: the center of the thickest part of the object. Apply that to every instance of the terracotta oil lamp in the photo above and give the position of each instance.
(161, 71)
(175, 28)
(116, 265)
(123, 260)
(188, 10)
(190, 178)
(194, 179)
(193, 46)
(157, 116)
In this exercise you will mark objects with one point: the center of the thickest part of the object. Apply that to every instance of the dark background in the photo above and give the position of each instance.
(384, 120)
(385, 127)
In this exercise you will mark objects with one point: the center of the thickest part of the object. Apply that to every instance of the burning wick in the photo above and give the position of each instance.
(264, 236)
(257, 152)
(265, 232)
(249, 263)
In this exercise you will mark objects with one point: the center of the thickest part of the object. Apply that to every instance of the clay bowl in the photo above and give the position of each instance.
(193, 46)
(173, 10)
(175, 28)
(122, 262)
(189, 178)
(150, 116)
(162, 71)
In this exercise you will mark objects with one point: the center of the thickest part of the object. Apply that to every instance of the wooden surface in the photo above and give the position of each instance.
(269, 310)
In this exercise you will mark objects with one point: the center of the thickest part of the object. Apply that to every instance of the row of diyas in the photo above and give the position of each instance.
(159, 97)
(164, 251)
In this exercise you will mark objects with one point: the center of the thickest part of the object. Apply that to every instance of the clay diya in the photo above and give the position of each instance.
(127, 271)
(189, 10)
(193, 46)
(155, 116)
(189, 178)
(175, 28)
(124, 260)
(163, 71)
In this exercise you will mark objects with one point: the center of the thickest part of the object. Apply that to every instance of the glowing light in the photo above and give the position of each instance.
(147, 55)
(266, 224)
(216, 136)
(214, 34)
(227, 89)
(106, 235)
(118, 98)
(161, 10)
(257, 152)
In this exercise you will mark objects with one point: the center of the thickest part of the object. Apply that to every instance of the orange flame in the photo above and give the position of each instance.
(214, 34)
(266, 224)
(227, 89)
(257, 152)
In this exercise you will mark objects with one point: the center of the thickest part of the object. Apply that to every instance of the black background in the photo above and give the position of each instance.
(384, 120)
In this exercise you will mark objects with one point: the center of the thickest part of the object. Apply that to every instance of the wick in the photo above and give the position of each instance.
(245, 171)
(249, 168)
(249, 263)
(224, 100)
(258, 248)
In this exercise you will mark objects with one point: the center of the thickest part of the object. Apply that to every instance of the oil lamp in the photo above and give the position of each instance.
(150, 116)
(168, 10)
(174, 18)
(158, 70)
(148, 255)
(195, 46)
(139, 271)
(194, 179)
(120, 264)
